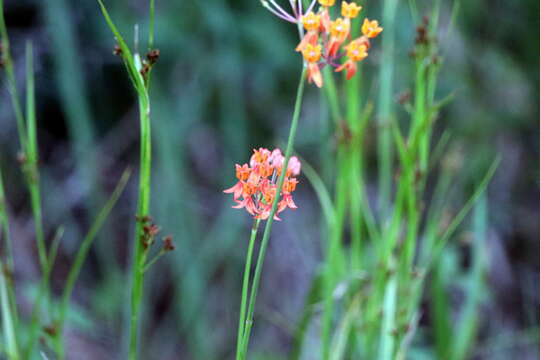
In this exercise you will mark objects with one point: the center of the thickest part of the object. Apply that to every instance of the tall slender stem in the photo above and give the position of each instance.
(10, 75)
(143, 209)
(385, 105)
(268, 226)
(8, 321)
(245, 287)
(32, 158)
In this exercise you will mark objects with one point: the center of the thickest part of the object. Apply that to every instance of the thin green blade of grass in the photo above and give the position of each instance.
(32, 158)
(321, 191)
(151, 30)
(440, 307)
(128, 57)
(385, 108)
(12, 86)
(387, 337)
(10, 333)
(35, 321)
(300, 333)
(4, 222)
(467, 207)
(467, 324)
(341, 337)
(86, 244)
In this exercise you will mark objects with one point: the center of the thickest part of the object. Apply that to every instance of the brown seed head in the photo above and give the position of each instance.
(117, 50)
(168, 244)
(143, 219)
(153, 56)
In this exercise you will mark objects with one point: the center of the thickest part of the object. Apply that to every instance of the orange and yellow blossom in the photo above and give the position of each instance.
(339, 31)
(350, 10)
(256, 188)
(327, 3)
(312, 54)
(311, 23)
(325, 14)
(371, 28)
(356, 51)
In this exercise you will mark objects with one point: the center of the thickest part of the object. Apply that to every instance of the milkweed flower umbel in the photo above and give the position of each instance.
(332, 37)
(256, 188)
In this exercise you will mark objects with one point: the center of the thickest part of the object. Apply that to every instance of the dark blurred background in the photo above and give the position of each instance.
(225, 84)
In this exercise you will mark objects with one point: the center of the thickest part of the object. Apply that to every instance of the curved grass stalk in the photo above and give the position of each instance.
(81, 257)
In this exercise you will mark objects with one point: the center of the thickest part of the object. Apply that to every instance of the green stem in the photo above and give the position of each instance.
(152, 24)
(12, 85)
(140, 253)
(385, 105)
(7, 318)
(153, 261)
(268, 226)
(4, 223)
(10, 317)
(31, 152)
(245, 288)
(386, 345)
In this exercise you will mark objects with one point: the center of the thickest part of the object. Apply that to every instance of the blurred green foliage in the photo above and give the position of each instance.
(225, 84)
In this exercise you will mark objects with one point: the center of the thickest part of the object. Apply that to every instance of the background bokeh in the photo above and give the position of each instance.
(225, 84)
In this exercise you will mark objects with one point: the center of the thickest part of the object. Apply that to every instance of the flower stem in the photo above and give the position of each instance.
(245, 287)
(268, 227)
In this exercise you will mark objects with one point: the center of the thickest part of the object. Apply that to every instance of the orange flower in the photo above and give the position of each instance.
(242, 172)
(289, 185)
(327, 3)
(312, 54)
(256, 189)
(371, 28)
(325, 21)
(350, 10)
(259, 156)
(340, 28)
(339, 31)
(312, 24)
(356, 51)
(311, 21)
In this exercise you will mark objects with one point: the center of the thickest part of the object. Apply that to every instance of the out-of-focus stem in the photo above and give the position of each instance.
(12, 86)
(385, 105)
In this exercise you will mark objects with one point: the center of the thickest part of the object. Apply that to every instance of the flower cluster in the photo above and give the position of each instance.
(325, 37)
(256, 188)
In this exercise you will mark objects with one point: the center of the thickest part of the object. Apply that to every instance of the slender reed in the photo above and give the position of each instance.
(384, 112)
(8, 321)
(139, 71)
(26, 126)
(7, 292)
